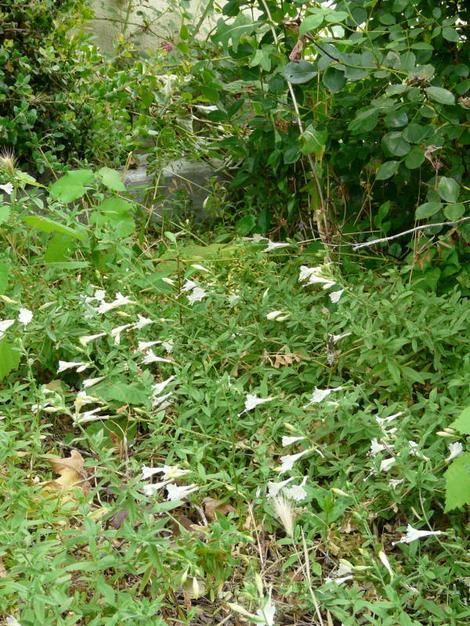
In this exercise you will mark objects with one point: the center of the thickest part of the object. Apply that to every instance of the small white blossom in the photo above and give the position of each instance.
(265, 615)
(275, 488)
(8, 188)
(335, 297)
(197, 294)
(119, 301)
(412, 534)
(4, 326)
(143, 346)
(151, 357)
(168, 345)
(455, 450)
(273, 245)
(288, 441)
(394, 482)
(252, 401)
(201, 268)
(342, 574)
(189, 285)
(319, 395)
(25, 316)
(142, 322)
(287, 461)
(118, 330)
(79, 366)
(86, 339)
(314, 276)
(278, 316)
(233, 298)
(170, 472)
(296, 492)
(386, 464)
(160, 402)
(159, 387)
(89, 382)
(381, 421)
(90, 416)
(152, 488)
(336, 338)
(168, 281)
(177, 492)
(385, 562)
(376, 447)
(414, 451)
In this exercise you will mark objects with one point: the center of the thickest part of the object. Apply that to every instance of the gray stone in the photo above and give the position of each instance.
(180, 189)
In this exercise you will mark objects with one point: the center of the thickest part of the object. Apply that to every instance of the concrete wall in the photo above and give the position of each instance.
(114, 17)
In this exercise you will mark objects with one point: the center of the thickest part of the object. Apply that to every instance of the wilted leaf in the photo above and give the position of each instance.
(71, 472)
(213, 507)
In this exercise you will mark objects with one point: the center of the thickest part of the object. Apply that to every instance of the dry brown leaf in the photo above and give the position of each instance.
(71, 472)
(3, 571)
(212, 507)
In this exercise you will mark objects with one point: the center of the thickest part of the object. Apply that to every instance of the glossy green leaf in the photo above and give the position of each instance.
(448, 189)
(441, 95)
(395, 144)
(415, 158)
(365, 121)
(396, 119)
(387, 170)
(427, 210)
(299, 73)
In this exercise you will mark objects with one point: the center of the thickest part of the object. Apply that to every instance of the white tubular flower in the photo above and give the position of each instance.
(86, 339)
(252, 401)
(314, 276)
(8, 189)
(4, 326)
(455, 450)
(197, 294)
(151, 357)
(90, 416)
(142, 322)
(168, 346)
(25, 316)
(159, 387)
(275, 488)
(336, 338)
(151, 489)
(288, 461)
(119, 301)
(177, 492)
(382, 421)
(288, 441)
(273, 245)
(335, 297)
(118, 330)
(394, 482)
(189, 285)
(386, 464)
(319, 395)
(143, 346)
(170, 472)
(265, 615)
(78, 366)
(233, 299)
(200, 268)
(414, 451)
(89, 382)
(296, 492)
(386, 563)
(342, 574)
(412, 534)
(376, 447)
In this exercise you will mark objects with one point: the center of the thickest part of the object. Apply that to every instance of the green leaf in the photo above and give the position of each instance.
(450, 34)
(454, 212)
(116, 214)
(364, 121)
(71, 186)
(111, 179)
(311, 22)
(396, 119)
(245, 225)
(441, 95)
(395, 144)
(416, 133)
(415, 158)
(335, 17)
(427, 210)
(9, 358)
(448, 189)
(387, 170)
(458, 483)
(314, 140)
(333, 79)
(4, 213)
(46, 225)
(299, 73)
(242, 25)
(4, 275)
(57, 248)
(462, 423)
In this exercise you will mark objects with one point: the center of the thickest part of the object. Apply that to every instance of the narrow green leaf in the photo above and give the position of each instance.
(4, 213)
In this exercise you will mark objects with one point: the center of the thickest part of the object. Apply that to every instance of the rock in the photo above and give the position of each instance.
(180, 189)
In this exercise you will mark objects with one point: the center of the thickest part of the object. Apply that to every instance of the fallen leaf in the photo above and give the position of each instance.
(212, 507)
(71, 472)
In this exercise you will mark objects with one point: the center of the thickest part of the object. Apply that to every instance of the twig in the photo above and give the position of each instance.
(407, 232)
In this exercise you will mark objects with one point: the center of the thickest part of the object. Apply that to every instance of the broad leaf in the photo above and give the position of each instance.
(415, 158)
(441, 95)
(111, 179)
(427, 210)
(395, 144)
(458, 483)
(387, 170)
(364, 121)
(448, 189)
(462, 423)
(333, 79)
(4, 213)
(9, 358)
(314, 140)
(299, 73)
(46, 225)
(454, 212)
(311, 22)
(58, 248)
(71, 186)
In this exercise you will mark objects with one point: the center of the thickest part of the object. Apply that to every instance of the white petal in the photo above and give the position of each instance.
(142, 322)
(288, 441)
(266, 614)
(455, 450)
(8, 188)
(151, 489)
(273, 245)
(89, 382)
(86, 339)
(69, 365)
(197, 295)
(320, 394)
(386, 563)
(386, 464)
(275, 488)
(25, 316)
(151, 357)
(297, 493)
(176, 492)
(159, 387)
(252, 401)
(412, 534)
(335, 298)
(287, 462)
(4, 326)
